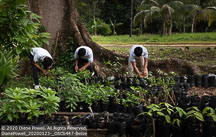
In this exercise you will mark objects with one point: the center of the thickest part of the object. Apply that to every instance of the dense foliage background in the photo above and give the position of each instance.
(117, 14)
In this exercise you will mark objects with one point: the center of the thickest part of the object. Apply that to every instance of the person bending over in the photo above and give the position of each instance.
(142, 53)
(84, 59)
(43, 56)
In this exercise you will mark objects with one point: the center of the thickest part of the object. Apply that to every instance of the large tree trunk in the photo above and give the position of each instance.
(52, 12)
(62, 16)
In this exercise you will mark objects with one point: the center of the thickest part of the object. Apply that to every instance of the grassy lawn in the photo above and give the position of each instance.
(151, 39)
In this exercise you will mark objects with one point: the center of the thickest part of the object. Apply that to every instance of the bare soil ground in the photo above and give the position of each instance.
(202, 91)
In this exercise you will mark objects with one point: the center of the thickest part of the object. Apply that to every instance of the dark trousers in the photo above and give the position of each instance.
(82, 62)
(35, 71)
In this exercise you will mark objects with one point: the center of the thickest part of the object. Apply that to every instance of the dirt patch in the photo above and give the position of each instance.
(202, 91)
(180, 67)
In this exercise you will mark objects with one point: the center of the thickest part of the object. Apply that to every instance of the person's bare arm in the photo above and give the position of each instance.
(47, 72)
(37, 66)
(136, 69)
(85, 66)
(76, 64)
(145, 67)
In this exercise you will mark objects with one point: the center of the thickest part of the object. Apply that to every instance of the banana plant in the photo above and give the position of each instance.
(114, 25)
(95, 26)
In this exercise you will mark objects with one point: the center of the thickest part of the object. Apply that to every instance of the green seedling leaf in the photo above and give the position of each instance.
(167, 119)
(206, 109)
(18, 50)
(160, 114)
(214, 117)
(9, 117)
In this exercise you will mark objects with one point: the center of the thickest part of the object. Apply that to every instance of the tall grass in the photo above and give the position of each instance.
(153, 38)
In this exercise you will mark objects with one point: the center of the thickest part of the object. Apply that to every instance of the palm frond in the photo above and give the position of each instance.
(119, 24)
(111, 22)
(147, 19)
(167, 9)
(176, 3)
(193, 7)
(154, 2)
(139, 16)
(208, 14)
(143, 2)
(152, 15)
(150, 1)
(154, 9)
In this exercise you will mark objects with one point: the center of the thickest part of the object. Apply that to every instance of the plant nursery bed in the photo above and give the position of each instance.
(123, 106)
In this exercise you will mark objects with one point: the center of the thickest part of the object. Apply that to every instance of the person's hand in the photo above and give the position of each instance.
(82, 69)
(76, 68)
(141, 76)
(145, 72)
(48, 75)
(44, 72)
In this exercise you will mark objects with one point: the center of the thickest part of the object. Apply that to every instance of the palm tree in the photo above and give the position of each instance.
(208, 14)
(183, 15)
(196, 13)
(196, 10)
(176, 5)
(191, 11)
(157, 9)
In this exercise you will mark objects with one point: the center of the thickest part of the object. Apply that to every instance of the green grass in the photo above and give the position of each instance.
(153, 38)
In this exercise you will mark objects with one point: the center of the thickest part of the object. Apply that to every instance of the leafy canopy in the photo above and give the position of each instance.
(19, 28)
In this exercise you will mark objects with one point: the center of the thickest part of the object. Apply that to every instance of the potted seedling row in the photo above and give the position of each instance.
(209, 125)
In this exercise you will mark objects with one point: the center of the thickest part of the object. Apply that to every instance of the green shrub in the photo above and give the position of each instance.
(22, 103)
(72, 91)
(20, 28)
(103, 28)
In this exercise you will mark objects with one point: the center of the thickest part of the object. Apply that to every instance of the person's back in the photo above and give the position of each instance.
(42, 55)
(84, 59)
(142, 53)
